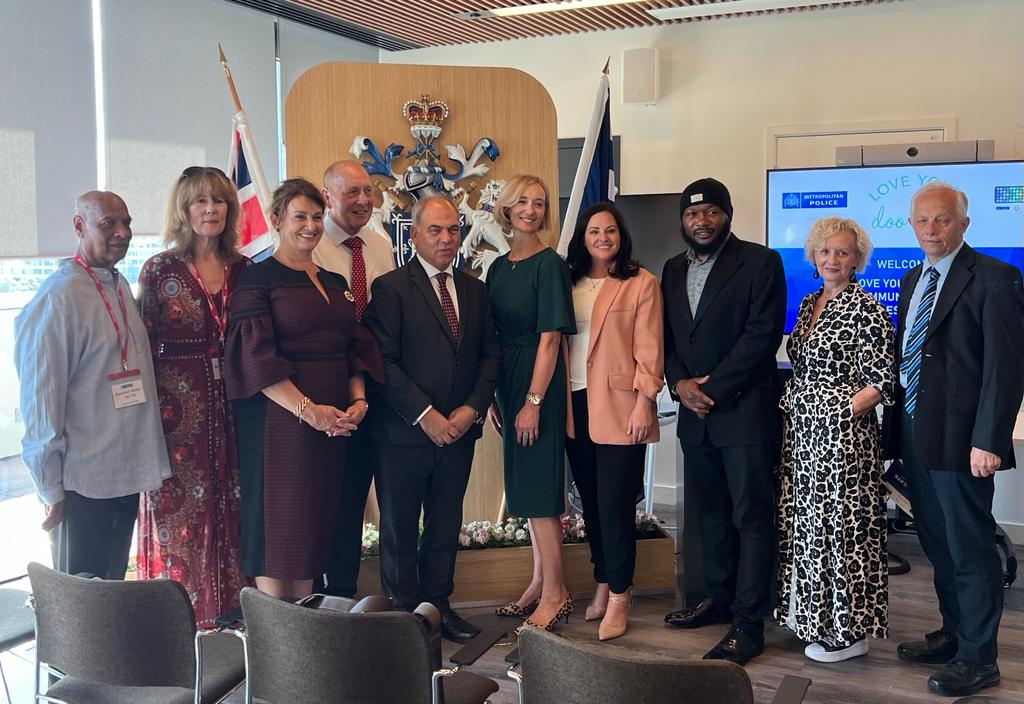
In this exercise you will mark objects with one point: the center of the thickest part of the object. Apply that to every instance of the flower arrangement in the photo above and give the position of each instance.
(514, 532)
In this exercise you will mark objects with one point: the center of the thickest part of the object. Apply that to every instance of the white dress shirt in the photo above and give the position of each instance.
(332, 255)
(941, 266)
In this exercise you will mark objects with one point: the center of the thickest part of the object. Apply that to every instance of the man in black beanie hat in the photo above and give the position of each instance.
(725, 307)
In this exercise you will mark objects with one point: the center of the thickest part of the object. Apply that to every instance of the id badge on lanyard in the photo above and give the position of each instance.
(125, 385)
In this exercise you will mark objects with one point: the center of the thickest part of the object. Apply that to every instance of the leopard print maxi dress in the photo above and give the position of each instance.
(833, 578)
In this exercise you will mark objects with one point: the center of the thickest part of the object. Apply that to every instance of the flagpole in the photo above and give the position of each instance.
(230, 80)
(572, 211)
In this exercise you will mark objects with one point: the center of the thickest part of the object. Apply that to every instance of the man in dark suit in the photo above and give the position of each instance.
(959, 344)
(725, 307)
(441, 359)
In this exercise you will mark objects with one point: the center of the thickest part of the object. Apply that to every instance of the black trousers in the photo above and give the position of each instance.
(95, 535)
(346, 548)
(953, 516)
(411, 478)
(608, 478)
(735, 493)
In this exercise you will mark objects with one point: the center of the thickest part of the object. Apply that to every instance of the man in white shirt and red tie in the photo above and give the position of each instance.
(360, 254)
(441, 358)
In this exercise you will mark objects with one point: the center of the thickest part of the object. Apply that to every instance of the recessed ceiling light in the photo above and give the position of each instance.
(538, 8)
(734, 7)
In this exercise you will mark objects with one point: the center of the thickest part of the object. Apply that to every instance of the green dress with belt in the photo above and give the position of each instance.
(528, 297)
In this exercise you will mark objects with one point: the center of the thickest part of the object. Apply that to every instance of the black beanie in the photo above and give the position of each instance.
(706, 190)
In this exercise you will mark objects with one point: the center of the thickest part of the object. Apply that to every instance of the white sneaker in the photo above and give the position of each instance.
(823, 653)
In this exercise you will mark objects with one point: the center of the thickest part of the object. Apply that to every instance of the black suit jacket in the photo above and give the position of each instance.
(733, 338)
(972, 376)
(423, 365)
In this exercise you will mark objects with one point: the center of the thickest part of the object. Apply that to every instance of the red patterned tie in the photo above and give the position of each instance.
(447, 306)
(358, 282)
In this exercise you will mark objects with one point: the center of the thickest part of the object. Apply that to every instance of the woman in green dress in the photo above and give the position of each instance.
(531, 298)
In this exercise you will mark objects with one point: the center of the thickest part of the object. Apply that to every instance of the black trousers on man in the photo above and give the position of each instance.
(609, 478)
(411, 478)
(953, 516)
(735, 499)
(95, 536)
(346, 549)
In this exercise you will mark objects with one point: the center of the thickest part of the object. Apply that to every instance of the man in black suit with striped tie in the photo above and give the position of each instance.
(441, 357)
(960, 346)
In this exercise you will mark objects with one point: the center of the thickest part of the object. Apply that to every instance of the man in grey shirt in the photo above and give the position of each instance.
(93, 437)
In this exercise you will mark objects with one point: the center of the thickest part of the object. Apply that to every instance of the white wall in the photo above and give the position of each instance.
(724, 83)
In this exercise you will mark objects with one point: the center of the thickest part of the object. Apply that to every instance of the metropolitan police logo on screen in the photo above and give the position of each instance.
(817, 199)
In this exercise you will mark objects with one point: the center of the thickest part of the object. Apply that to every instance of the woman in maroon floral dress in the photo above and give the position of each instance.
(189, 528)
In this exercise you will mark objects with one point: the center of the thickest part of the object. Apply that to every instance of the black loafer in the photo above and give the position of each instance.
(962, 678)
(456, 628)
(737, 646)
(705, 613)
(937, 648)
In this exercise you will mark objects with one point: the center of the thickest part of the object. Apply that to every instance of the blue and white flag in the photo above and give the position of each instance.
(595, 175)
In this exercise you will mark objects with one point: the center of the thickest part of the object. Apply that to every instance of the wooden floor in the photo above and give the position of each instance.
(877, 678)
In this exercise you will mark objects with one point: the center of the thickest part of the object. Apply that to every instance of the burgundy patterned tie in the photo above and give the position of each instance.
(358, 282)
(446, 304)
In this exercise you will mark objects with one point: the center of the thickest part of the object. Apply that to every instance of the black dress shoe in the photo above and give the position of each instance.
(937, 648)
(737, 646)
(705, 613)
(961, 678)
(456, 628)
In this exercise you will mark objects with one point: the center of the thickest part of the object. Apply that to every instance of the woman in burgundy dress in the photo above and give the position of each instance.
(189, 528)
(294, 364)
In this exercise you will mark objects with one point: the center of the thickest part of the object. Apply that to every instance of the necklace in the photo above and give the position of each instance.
(593, 283)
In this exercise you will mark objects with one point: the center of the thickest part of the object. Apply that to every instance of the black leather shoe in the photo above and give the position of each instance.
(456, 628)
(937, 648)
(961, 678)
(705, 613)
(737, 646)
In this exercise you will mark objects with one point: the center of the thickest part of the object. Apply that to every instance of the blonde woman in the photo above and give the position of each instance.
(833, 578)
(531, 299)
(189, 527)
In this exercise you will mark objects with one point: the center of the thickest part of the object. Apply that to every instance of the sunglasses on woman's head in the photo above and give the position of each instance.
(197, 170)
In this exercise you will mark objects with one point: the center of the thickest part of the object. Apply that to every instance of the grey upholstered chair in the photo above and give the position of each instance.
(119, 642)
(17, 624)
(556, 669)
(298, 655)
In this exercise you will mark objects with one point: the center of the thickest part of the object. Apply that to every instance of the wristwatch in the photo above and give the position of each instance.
(535, 399)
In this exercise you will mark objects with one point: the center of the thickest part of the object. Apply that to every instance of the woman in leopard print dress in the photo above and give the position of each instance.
(833, 581)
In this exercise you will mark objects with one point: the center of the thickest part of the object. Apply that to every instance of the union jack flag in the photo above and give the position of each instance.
(256, 238)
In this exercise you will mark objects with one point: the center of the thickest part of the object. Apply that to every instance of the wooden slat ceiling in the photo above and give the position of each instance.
(425, 23)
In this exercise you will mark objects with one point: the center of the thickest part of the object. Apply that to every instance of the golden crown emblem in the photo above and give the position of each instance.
(425, 116)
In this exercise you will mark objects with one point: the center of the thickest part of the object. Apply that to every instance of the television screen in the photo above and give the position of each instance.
(878, 197)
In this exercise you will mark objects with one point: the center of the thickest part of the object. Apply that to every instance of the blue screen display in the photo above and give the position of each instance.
(878, 197)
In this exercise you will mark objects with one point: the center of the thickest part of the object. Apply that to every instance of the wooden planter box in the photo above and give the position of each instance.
(498, 575)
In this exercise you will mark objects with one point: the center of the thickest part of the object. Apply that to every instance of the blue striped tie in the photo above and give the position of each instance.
(910, 366)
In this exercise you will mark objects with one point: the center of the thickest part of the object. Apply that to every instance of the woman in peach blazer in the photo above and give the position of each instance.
(616, 363)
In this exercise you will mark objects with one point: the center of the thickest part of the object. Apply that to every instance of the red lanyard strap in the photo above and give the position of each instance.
(123, 344)
(220, 319)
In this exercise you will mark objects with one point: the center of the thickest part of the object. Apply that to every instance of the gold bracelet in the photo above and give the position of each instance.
(301, 407)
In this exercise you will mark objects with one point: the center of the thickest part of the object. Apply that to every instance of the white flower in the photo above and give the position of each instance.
(520, 534)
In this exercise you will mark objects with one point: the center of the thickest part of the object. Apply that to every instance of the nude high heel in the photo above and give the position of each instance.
(616, 618)
(595, 612)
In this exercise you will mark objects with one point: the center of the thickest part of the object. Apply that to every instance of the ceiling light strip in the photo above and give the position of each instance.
(735, 7)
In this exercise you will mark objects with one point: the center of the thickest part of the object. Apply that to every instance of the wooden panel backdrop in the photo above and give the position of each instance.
(332, 103)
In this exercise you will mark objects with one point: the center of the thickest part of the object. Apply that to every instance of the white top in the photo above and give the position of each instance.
(65, 348)
(332, 255)
(584, 294)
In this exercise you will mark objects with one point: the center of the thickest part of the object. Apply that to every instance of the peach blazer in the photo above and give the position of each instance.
(626, 355)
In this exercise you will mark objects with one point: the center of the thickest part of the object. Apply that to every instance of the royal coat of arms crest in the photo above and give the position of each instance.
(409, 176)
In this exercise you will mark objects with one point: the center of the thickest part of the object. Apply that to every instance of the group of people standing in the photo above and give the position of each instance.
(241, 399)
(950, 381)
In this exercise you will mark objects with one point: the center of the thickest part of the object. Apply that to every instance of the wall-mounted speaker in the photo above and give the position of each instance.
(640, 77)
